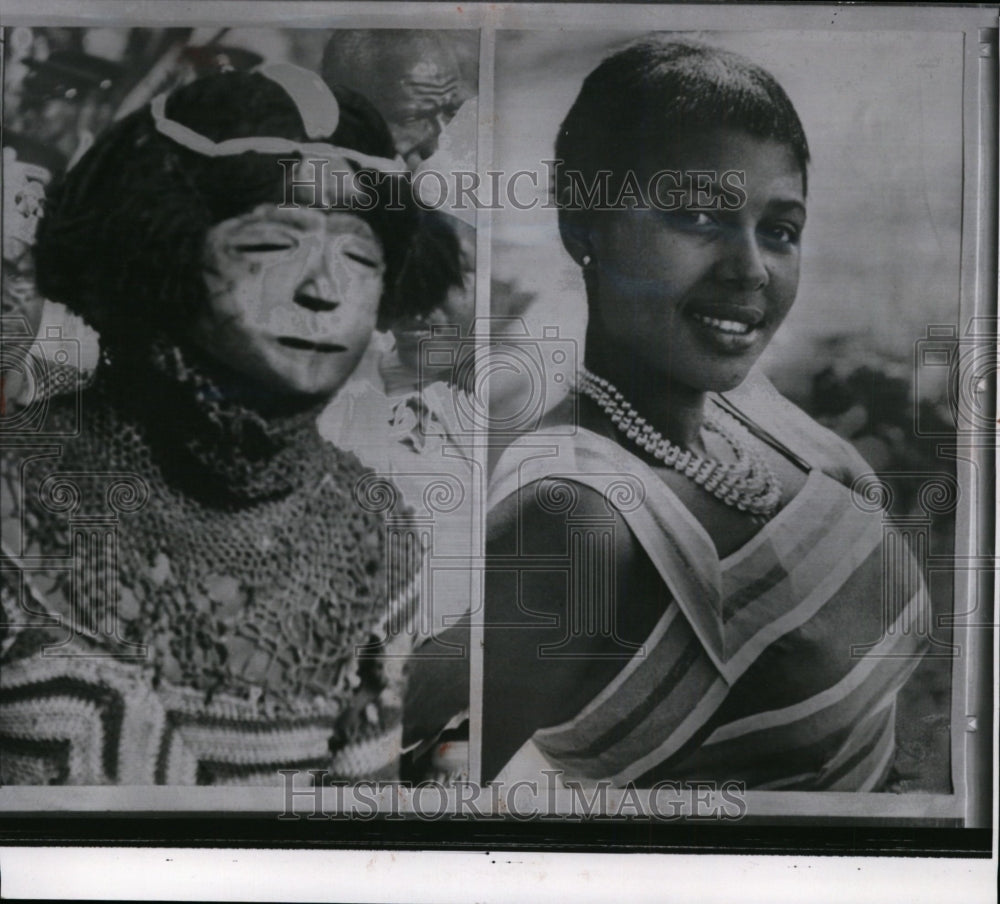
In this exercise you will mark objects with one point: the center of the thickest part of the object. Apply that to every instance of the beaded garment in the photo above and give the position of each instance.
(194, 593)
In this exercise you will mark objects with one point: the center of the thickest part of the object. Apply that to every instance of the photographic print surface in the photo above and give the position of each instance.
(568, 419)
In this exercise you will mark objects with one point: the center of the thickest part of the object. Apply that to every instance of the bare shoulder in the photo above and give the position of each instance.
(538, 517)
(557, 610)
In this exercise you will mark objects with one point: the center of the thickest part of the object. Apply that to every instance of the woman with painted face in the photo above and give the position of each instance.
(688, 589)
(198, 583)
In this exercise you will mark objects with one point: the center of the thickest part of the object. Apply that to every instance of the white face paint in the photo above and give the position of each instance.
(293, 297)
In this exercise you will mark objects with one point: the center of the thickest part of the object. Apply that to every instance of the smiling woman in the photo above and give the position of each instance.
(198, 593)
(684, 578)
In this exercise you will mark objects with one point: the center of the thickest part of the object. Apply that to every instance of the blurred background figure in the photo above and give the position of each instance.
(425, 348)
(67, 99)
(411, 75)
(24, 181)
(54, 367)
(25, 177)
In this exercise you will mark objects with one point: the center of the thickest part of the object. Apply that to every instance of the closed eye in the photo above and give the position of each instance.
(263, 247)
(362, 259)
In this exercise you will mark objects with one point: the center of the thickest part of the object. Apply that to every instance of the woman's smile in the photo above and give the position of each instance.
(730, 328)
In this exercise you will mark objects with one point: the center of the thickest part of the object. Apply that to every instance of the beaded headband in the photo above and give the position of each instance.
(317, 106)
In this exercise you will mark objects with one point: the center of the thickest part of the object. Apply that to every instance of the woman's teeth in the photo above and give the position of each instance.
(725, 326)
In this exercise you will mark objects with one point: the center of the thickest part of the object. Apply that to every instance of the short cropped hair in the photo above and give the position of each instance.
(656, 90)
(122, 241)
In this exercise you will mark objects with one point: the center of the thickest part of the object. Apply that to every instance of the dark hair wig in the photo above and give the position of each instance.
(122, 240)
(655, 90)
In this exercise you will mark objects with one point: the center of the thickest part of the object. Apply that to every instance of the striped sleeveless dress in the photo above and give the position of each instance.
(778, 665)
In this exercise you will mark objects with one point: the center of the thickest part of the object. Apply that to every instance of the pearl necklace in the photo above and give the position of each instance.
(748, 484)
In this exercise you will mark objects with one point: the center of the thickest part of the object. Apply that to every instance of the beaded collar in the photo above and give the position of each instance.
(215, 447)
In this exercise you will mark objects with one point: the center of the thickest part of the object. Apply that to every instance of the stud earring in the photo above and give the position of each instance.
(586, 260)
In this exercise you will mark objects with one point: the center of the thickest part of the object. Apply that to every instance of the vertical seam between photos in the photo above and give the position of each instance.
(484, 158)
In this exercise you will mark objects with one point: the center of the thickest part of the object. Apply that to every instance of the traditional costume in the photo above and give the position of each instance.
(193, 593)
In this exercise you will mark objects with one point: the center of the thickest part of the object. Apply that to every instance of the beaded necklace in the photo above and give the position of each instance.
(748, 484)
